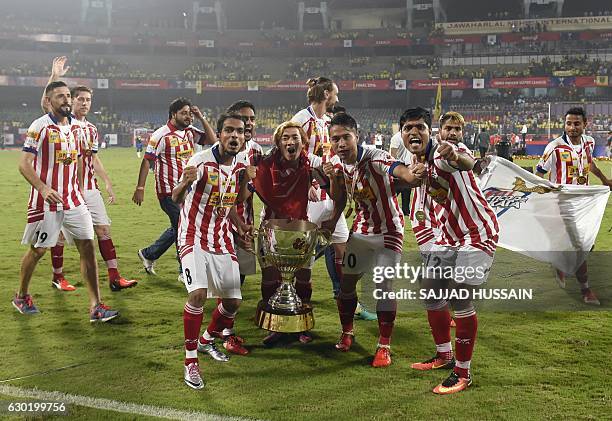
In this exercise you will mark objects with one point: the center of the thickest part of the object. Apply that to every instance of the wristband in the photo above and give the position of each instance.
(139, 188)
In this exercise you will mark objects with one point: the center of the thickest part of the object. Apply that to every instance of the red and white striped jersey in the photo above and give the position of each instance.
(426, 230)
(317, 130)
(370, 182)
(565, 162)
(171, 148)
(57, 149)
(465, 217)
(90, 147)
(244, 209)
(216, 188)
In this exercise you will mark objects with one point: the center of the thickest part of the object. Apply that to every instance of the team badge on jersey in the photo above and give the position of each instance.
(213, 178)
(566, 156)
(65, 157)
(185, 155)
(174, 141)
(54, 137)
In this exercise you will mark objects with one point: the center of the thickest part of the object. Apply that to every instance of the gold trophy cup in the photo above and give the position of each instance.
(288, 245)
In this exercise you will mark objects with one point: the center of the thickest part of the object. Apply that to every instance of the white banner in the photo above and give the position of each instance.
(102, 84)
(348, 43)
(400, 84)
(548, 222)
(478, 83)
(253, 86)
(9, 139)
(208, 43)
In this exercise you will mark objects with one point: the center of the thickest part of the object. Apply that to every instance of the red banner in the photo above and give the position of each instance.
(427, 84)
(544, 36)
(591, 81)
(468, 39)
(519, 82)
(592, 35)
(140, 84)
(323, 43)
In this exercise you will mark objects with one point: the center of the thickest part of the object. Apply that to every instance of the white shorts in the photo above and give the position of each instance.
(365, 252)
(246, 262)
(464, 264)
(321, 211)
(95, 204)
(73, 223)
(218, 273)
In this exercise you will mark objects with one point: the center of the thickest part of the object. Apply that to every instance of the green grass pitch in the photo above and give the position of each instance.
(527, 364)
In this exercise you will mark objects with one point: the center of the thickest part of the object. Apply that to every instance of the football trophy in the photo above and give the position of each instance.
(287, 245)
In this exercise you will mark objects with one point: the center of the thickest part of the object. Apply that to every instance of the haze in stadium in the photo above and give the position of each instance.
(450, 159)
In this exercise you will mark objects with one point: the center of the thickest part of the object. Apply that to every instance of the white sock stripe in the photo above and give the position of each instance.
(111, 264)
(193, 310)
(465, 313)
(224, 312)
(445, 347)
(463, 364)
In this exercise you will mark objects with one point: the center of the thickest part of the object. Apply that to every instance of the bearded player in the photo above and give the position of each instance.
(208, 190)
(92, 166)
(170, 148)
(467, 237)
(569, 160)
(50, 162)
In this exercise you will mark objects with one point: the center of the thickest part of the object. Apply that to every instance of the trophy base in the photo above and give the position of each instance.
(284, 322)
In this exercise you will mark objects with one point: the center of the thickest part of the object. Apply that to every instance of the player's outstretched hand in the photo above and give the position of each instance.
(59, 68)
(50, 195)
(448, 151)
(197, 113)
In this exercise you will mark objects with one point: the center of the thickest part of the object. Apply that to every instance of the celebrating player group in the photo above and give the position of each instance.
(316, 171)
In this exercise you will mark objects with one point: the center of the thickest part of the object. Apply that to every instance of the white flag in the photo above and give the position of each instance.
(546, 221)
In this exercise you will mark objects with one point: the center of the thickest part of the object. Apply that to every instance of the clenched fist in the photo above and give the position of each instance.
(448, 151)
(190, 174)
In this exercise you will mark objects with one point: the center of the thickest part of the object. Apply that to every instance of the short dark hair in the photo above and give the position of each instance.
(338, 109)
(227, 116)
(57, 84)
(176, 105)
(344, 120)
(415, 114)
(81, 88)
(576, 111)
(238, 105)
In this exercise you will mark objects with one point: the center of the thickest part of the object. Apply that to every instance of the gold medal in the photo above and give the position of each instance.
(420, 215)
(582, 179)
(220, 211)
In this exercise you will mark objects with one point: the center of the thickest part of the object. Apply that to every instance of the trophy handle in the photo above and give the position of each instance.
(324, 237)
